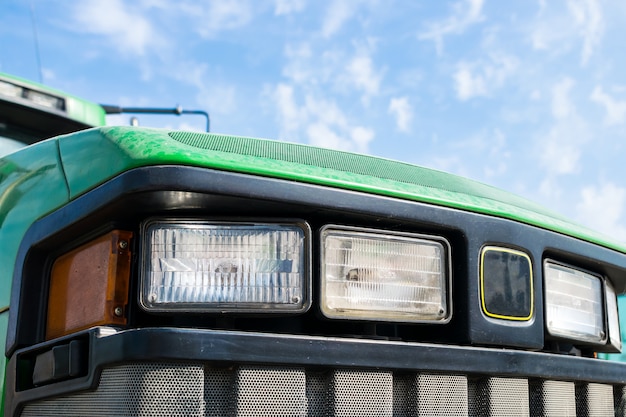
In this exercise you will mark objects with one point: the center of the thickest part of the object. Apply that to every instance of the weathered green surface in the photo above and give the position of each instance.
(110, 151)
(77, 109)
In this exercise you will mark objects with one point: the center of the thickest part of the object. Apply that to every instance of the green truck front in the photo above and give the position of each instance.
(149, 272)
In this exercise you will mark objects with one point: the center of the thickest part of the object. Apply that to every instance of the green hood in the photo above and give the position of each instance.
(92, 157)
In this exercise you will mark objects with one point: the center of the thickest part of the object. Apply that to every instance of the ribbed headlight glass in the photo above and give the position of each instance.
(199, 266)
(574, 303)
(378, 275)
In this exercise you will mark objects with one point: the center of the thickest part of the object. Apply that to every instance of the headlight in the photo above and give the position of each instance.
(378, 275)
(574, 307)
(200, 266)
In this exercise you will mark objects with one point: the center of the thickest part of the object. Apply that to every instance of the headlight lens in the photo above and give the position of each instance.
(574, 307)
(252, 267)
(377, 275)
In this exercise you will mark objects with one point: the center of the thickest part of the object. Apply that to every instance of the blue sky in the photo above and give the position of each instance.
(528, 96)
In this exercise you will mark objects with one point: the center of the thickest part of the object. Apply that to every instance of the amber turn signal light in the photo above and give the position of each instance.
(89, 285)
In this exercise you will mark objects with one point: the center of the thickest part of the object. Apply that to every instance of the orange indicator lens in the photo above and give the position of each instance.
(89, 285)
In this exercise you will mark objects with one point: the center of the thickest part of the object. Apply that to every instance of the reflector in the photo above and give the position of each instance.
(199, 266)
(574, 308)
(379, 275)
(89, 285)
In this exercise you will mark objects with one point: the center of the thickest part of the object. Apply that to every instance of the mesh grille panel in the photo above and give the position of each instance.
(362, 393)
(270, 392)
(441, 395)
(594, 400)
(173, 389)
(619, 393)
(552, 398)
(134, 390)
(499, 397)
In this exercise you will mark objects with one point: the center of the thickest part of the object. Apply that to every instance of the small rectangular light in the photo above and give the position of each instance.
(46, 100)
(615, 337)
(191, 265)
(89, 285)
(506, 284)
(380, 275)
(574, 306)
(10, 90)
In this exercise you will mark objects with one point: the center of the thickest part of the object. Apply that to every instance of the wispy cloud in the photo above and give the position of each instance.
(602, 208)
(482, 77)
(615, 109)
(360, 72)
(562, 105)
(336, 15)
(401, 109)
(319, 121)
(559, 30)
(561, 148)
(124, 25)
(464, 15)
(588, 19)
(286, 7)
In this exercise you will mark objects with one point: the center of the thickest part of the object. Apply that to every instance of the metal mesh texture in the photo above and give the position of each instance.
(174, 389)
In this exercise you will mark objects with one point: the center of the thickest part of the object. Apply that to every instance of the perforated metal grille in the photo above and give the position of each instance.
(619, 394)
(499, 397)
(552, 398)
(441, 395)
(134, 390)
(173, 389)
(594, 400)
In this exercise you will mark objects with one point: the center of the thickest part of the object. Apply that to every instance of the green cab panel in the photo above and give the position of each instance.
(94, 156)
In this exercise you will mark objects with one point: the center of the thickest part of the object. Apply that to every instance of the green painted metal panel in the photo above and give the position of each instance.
(31, 185)
(93, 156)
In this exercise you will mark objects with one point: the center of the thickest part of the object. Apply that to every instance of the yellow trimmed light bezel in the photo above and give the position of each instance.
(484, 282)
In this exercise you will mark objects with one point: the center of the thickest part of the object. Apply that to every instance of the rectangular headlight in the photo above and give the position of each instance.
(250, 267)
(379, 275)
(574, 307)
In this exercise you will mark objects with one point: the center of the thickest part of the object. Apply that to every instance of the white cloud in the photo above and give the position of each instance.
(588, 18)
(481, 77)
(290, 116)
(334, 69)
(468, 85)
(401, 109)
(602, 208)
(361, 74)
(336, 15)
(127, 27)
(319, 121)
(562, 106)
(561, 149)
(285, 7)
(465, 14)
(615, 109)
(558, 31)
(215, 16)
